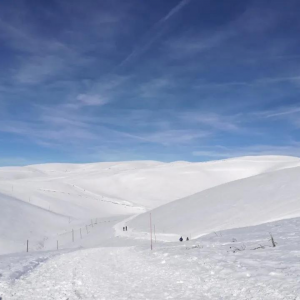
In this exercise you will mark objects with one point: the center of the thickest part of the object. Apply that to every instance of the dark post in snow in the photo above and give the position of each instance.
(27, 245)
(151, 231)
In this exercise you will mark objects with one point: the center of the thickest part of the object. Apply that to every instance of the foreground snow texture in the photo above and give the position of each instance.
(82, 209)
(207, 268)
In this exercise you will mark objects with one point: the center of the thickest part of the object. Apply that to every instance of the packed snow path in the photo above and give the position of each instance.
(105, 273)
(122, 273)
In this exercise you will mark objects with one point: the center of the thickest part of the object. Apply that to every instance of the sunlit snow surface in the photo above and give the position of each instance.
(82, 209)
(206, 268)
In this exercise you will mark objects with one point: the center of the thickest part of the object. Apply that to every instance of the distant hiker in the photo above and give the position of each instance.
(123, 228)
(126, 228)
(187, 239)
(181, 239)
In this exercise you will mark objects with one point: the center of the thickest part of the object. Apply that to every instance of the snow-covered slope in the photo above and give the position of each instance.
(40, 200)
(153, 184)
(20, 221)
(246, 202)
(83, 209)
(145, 183)
(234, 264)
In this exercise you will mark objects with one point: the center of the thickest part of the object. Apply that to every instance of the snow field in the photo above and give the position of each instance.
(42, 199)
(46, 203)
(205, 268)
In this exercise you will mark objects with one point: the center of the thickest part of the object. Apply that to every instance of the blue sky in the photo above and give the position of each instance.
(107, 80)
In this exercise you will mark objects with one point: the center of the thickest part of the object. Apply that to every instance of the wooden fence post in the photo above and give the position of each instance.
(151, 232)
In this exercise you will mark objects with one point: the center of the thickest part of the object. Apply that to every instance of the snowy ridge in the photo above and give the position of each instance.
(246, 202)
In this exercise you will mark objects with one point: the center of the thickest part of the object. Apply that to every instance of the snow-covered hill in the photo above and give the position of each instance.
(73, 216)
(245, 202)
(152, 184)
(145, 183)
(40, 201)
(20, 221)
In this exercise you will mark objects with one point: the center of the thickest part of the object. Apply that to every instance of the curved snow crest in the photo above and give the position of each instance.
(246, 202)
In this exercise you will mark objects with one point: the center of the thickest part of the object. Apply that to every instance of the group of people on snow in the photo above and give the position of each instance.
(125, 228)
(181, 239)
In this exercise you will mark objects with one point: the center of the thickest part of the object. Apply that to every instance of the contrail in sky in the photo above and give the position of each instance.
(154, 33)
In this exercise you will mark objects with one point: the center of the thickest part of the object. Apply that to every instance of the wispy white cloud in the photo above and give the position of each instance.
(37, 69)
(39, 49)
(252, 22)
(175, 10)
(189, 45)
(108, 154)
(270, 80)
(58, 126)
(181, 99)
(281, 112)
(288, 114)
(154, 33)
(156, 87)
(41, 57)
(259, 83)
(213, 120)
(175, 137)
(42, 131)
(221, 85)
(100, 92)
(91, 100)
